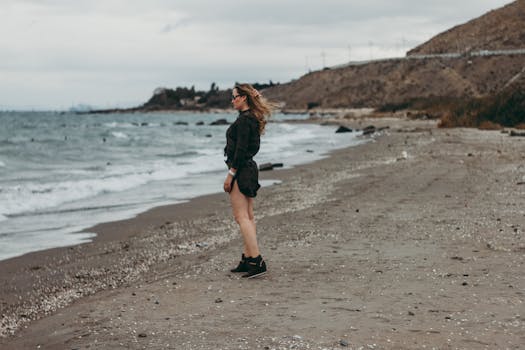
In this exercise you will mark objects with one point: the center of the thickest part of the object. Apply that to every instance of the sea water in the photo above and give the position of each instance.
(61, 173)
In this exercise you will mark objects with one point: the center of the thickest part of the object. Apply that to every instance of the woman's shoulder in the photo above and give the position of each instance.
(246, 117)
(249, 116)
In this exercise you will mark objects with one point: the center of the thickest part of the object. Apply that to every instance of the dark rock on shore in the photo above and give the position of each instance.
(342, 129)
(220, 122)
(372, 129)
(369, 130)
(516, 133)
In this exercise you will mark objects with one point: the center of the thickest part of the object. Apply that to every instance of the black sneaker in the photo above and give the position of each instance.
(243, 265)
(256, 267)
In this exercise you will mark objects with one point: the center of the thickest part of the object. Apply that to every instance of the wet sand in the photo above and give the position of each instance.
(413, 240)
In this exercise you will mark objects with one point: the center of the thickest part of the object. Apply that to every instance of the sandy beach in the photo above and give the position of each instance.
(413, 240)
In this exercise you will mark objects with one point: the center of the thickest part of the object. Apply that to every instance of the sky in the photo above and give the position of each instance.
(58, 54)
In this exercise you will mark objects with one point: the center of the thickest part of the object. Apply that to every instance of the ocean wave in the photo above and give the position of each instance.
(7, 143)
(119, 135)
(286, 136)
(283, 142)
(177, 155)
(117, 125)
(129, 124)
(34, 197)
(69, 210)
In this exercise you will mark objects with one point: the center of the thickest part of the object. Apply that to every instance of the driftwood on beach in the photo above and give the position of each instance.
(269, 166)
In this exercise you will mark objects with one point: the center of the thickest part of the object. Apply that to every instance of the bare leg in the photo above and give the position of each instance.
(242, 208)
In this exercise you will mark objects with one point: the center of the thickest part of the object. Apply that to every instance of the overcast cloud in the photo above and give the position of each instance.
(55, 54)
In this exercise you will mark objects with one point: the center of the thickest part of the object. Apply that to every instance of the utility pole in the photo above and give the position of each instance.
(306, 65)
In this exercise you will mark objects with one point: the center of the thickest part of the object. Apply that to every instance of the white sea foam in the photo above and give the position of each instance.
(35, 197)
(120, 125)
(290, 143)
(28, 241)
(119, 135)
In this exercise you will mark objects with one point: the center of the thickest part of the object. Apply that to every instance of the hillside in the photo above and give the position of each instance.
(398, 82)
(500, 29)
(506, 108)
(394, 82)
(464, 85)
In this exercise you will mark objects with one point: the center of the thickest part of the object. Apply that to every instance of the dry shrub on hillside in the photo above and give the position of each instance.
(520, 126)
(453, 119)
(448, 120)
(488, 125)
(507, 108)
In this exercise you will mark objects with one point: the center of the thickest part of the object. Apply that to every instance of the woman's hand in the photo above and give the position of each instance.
(228, 183)
(229, 179)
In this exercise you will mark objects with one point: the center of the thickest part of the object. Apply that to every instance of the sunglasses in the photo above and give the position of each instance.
(234, 97)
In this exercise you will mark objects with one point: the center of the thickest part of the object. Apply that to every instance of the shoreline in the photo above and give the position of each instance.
(124, 218)
(32, 207)
(386, 218)
(109, 237)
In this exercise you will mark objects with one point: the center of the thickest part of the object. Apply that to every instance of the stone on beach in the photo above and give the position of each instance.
(342, 129)
(369, 130)
(220, 122)
(517, 133)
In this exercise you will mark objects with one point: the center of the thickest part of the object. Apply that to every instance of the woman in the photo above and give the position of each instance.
(242, 181)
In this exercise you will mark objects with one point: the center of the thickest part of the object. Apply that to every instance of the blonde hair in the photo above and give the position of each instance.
(259, 106)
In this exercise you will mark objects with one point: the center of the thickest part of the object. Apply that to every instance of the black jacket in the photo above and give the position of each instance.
(242, 140)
